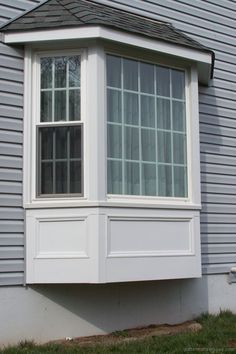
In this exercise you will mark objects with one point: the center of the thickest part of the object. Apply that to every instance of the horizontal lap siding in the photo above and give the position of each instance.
(11, 138)
(213, 24)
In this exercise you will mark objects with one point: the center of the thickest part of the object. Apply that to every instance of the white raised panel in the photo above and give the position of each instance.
(61, 238)
(103, 245)
(147, 237)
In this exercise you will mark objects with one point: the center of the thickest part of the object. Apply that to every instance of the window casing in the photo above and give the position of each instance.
(94, 121)
(146, 129)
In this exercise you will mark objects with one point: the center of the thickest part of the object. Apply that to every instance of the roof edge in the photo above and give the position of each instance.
(200, 55)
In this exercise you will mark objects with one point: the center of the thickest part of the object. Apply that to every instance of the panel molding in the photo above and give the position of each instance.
(65, 254)
(150, 253)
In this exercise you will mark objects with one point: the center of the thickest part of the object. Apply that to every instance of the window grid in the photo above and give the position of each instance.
(172, 139)
(141, 162)
(62, 179)
(156, 130)
(140, 132)
(123, 127)
(54, 89)
(68, 159)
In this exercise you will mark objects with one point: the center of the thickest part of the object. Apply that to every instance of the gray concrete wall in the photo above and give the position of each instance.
(44, 313)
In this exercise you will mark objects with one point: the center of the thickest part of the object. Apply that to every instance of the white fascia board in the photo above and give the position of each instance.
(203, 59)
(51, 35)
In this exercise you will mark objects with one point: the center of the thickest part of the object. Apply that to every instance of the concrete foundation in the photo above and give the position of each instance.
(43, 313)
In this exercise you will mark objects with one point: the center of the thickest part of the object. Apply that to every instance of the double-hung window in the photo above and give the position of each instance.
(146, 129)
(60, 129)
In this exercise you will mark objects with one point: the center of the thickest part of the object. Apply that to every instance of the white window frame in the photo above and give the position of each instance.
(53, 123)
(188, 136)
(93, 83)
(192, 135)
(32, 122)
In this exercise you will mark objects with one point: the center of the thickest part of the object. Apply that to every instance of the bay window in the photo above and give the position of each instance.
(112, 183)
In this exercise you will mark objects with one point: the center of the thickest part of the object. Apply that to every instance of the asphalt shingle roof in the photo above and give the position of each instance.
(75, 13)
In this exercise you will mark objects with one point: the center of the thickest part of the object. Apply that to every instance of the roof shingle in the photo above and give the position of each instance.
(76, 13)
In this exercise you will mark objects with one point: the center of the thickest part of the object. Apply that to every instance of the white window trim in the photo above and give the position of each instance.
(193, 158)
(93, 69)
(32, 120)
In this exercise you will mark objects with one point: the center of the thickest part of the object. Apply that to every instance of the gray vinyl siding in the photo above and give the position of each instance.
(11, 138)
(212, 23)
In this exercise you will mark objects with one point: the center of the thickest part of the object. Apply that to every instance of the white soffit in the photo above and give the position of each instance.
(203, 59)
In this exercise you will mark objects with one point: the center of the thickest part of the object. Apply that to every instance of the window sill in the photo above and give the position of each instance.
(112, 203)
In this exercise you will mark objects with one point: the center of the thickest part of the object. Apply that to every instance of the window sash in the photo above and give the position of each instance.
(64, 82)
(54, 159)
(135, 163)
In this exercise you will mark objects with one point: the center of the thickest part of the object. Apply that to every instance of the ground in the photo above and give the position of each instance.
(131, 335)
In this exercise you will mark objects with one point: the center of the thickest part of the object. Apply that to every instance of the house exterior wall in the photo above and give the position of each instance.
(217, 131)
(68, 308)
(11, 138)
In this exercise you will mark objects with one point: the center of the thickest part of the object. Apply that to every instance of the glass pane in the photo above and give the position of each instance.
(132, 182)
(163, 81)
(46, 178)
(61, 177)
(147, 111)
(114, 177)
(114, 141)
(148, 179)
(164, 147)
(114, 106)
(131, 143)
(148, 144)
(178, 84)
(113, 71)
(46, 106)
(179, 116)
(74, 71)
(131, 109)
(163, 114)
(130, 74)
(146, 78)
(179, 148)
(75, 177)
(164, 181)
(46, 143)
(180, 182)
(46, 72)
(60, 106)
(61, 142)
(74, 105)
(75, 142)
(60, 72)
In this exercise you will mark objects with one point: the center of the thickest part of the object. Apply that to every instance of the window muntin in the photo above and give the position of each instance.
(146, 129)
(60, 132)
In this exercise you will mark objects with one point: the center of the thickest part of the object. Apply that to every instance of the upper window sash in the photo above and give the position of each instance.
(57, 89)
(60, 88)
